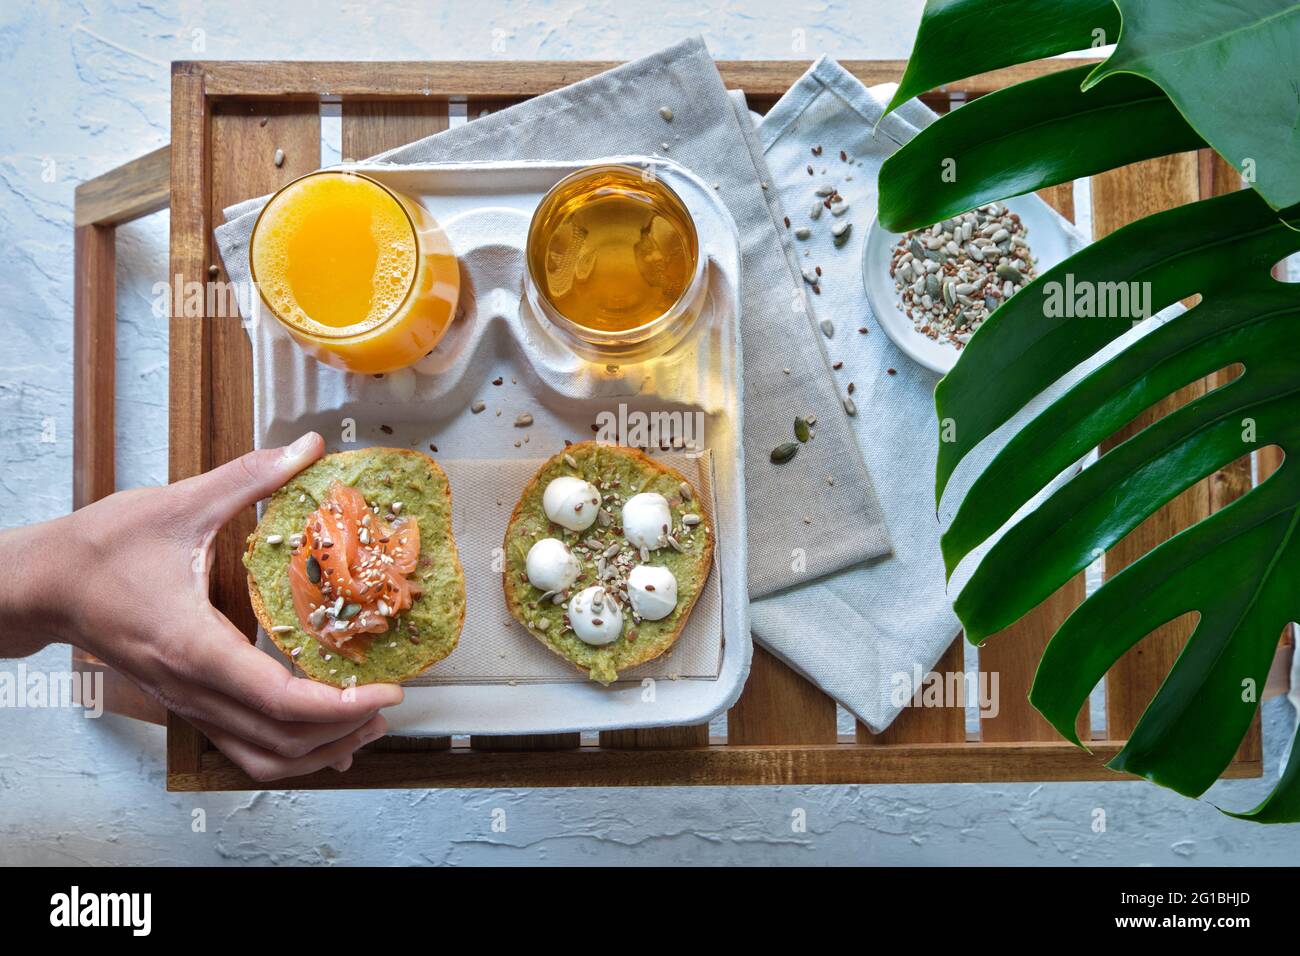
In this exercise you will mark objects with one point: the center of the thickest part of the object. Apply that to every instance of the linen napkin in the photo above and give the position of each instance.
(791, 509)
(855, 633)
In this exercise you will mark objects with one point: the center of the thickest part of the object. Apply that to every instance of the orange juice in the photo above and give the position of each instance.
(362, 277)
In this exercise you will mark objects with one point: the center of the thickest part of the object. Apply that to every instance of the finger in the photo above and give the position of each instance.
(264, 766)
(284, 738)
(237, 669)
(220, 494)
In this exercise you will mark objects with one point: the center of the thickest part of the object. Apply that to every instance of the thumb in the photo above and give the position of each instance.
(223, 492)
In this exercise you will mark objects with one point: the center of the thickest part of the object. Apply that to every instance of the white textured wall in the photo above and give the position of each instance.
(86, 88)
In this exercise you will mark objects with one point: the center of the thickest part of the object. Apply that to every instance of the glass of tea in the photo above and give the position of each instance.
(361, 276)
(614, 264)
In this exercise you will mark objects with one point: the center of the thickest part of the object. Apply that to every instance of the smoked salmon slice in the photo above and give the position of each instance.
(349, 573)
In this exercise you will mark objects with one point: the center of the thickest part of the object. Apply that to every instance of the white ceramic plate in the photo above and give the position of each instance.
(1048, 242)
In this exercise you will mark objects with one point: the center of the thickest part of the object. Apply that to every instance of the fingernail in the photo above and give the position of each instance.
(343, 764)
(300, 448)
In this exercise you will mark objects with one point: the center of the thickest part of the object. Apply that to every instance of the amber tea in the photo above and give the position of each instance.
(612, 249)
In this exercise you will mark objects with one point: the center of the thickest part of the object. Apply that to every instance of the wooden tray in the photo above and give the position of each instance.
(228, 120)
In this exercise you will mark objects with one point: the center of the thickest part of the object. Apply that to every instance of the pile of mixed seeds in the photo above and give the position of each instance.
(951, 276)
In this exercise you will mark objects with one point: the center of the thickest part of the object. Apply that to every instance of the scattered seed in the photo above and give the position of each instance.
(274, 538)
(524, 420)
(666, 113)
(313, 569)
(803, 232)
(283, 629)
(851, 407)
(349, 611)
(801, 429)
(825, 190)
(570, 460)
(685, 489)
(214, 271)
(809, 276)
(477, 406)
(891, 371)
(828, 328)
(498, 380)
(279, 157)
(783, 453)
(816, 211)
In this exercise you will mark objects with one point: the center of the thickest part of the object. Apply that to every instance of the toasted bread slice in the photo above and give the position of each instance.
(418, 637)
(619, 472)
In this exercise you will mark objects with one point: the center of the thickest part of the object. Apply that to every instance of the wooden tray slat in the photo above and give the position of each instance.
(1118, 198)
(371, 127)
(778, 706)
(1013, 654)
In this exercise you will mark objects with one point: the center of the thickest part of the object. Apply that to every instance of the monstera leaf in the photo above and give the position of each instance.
(1210, 58)
(1039, 29)
(1122, 121)
(1237, 570)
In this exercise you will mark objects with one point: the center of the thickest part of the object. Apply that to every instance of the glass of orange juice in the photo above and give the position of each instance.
(361, 276)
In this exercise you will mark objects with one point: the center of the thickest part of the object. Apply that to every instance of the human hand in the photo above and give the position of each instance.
(126, 578)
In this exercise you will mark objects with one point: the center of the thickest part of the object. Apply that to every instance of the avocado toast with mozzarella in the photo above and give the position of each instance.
(605, 556)
(353, 571)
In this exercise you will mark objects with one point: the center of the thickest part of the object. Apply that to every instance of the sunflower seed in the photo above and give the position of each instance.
(828, 328)
(816, 211)
(687, 494)
(690, 520)
(850, 407)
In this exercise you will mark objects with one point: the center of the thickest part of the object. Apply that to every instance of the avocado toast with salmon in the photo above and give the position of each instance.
(606, 554)
(353, 571)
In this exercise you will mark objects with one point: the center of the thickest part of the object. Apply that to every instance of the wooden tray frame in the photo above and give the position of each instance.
(229, 118)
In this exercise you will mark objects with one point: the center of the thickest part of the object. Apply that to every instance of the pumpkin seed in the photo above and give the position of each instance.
(313, 569)
(349, 612)
(816, 211)
(828, 328)
(851, 407)
(801, 429)
(783, 453)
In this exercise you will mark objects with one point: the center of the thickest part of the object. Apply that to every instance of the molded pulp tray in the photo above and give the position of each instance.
(485, 210)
